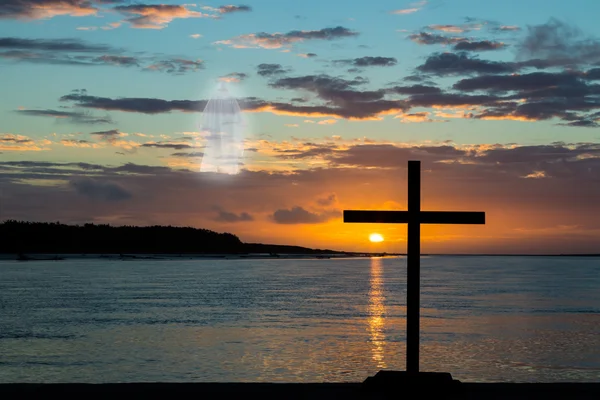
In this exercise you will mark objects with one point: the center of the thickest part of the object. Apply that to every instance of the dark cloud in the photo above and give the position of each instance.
(461, 63)
(427, 38)
(227, 216)
(231, 9)
(531, 81)
(125, 61)
(369, 62)
(298, 215)
(100, 190)
(271, 69)
(177, 66)
(451, 100)
(76, 117)
(141, 105)
(192, 155)
(592, 74)
(164, 145)
(111, 133)
(559, 44)
(77, 53)
(62, 45)
(277, 40)
(39, 9)
(322, 34)
(483, 45)
(414, 89)
(15, 140)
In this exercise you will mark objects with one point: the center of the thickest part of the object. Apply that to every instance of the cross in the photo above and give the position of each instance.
(414, 217)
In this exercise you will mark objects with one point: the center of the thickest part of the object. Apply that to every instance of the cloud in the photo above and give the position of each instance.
(233, 77)
(413, 8)
(455, 28)
(68, 45)
(195, 36)
(414, 89)
(427, 38)
(405, 11)
(422, 116)
(306, 55)
(167, 145)
(231, 9)
(227, 216)
(177, 66)
(12, 142)
(80, 143)
(461, 63)
(141, 105)
(327, 201)
(75, 117)
(42, 9)
(99, 190)
(369, 62)
(80, 53)
(559, 44)
(106, 134)
(327, 122)
(298, 215)
(188, 155)
(271, 69)
(279, 40)
(525, 82)
(125, 61)
(158, 16)
(483, 45)
(470, 177)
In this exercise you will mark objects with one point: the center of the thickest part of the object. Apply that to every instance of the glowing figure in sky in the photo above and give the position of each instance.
(223, 130)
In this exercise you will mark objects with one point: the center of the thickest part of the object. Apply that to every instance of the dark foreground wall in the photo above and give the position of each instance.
(309, 391)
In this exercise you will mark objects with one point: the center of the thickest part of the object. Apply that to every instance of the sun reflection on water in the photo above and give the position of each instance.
(377, 313)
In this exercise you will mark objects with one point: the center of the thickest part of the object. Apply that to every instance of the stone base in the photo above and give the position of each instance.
(429, 381)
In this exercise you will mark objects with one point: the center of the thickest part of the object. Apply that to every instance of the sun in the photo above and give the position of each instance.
(375, 237)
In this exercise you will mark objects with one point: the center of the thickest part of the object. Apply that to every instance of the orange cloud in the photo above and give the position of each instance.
(157, 16)
(80, 143)
(12, 142)
(327, 122)
(50, 8)
(406, 11)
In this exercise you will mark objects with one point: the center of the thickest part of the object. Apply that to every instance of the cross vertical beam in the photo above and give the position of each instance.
(413, 267)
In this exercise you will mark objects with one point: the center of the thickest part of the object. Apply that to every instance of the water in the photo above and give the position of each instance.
(484, 319)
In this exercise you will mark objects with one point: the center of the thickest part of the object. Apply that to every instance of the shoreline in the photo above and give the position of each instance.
(313, 391)
(243, 256)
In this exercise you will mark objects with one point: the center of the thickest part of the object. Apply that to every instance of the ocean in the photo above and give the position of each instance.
(484, 319)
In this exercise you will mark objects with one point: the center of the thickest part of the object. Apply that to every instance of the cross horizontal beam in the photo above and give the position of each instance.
(423, 217)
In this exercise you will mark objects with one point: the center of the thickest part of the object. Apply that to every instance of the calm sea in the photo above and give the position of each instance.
(483, 319)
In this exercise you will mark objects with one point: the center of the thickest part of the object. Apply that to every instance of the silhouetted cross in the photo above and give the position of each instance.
(414, 217)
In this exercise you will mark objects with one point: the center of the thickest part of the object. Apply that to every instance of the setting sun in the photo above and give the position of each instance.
(376, 237)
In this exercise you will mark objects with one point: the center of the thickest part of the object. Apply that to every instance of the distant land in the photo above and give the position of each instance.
(23, 238)
(20, 237)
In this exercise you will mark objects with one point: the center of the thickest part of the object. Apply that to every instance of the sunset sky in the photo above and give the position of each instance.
(101, 103)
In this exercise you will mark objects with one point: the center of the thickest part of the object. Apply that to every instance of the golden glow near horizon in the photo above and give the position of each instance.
(376, 238)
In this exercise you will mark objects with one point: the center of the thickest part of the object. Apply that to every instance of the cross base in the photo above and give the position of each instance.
(427, 381)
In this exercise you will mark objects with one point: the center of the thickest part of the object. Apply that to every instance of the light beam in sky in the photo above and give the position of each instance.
(223, 127)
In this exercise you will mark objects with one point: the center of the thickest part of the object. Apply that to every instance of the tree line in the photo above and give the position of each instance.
(54, 237)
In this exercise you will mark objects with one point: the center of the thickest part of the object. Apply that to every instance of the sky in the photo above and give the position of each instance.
(102, 107)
